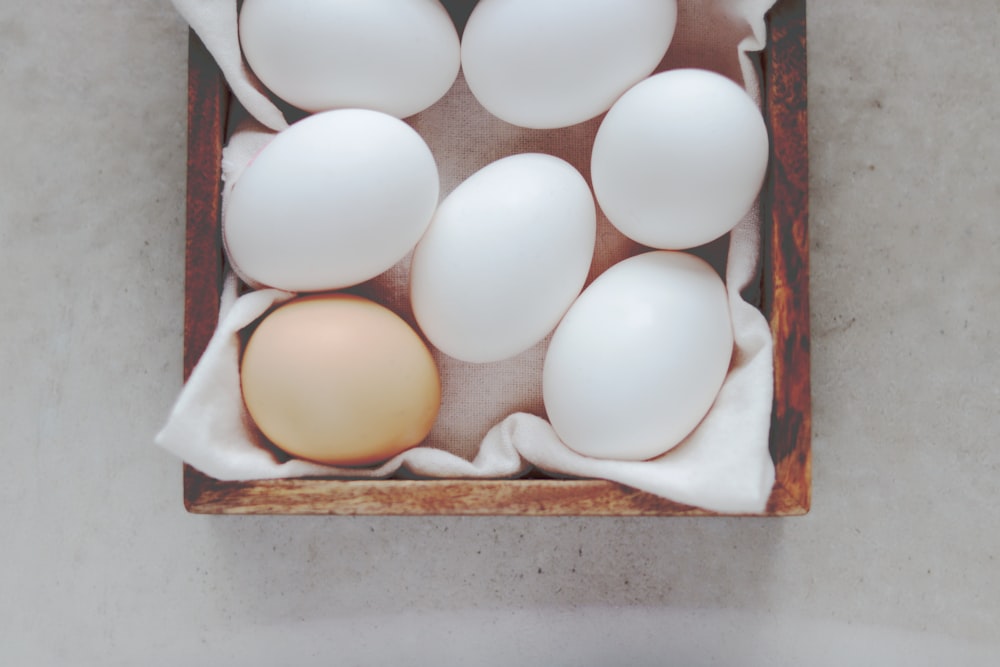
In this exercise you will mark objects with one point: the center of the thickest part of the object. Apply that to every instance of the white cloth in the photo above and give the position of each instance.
(491, 423)
(215, 23)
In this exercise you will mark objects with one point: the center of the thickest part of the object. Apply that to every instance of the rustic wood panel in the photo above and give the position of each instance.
(784, 301)
(786, 285)
(459, 497)
(207, 106)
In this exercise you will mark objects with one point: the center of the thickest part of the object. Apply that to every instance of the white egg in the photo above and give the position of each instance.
(396, 56)
(679, 159)
(505, 255)
(639, 358)
(332, 201)
(560, 62)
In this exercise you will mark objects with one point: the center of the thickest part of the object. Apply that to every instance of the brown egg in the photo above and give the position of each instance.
(339, 379)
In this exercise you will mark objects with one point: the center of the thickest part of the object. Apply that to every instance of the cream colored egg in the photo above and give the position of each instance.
(396, 56)
(340, 380)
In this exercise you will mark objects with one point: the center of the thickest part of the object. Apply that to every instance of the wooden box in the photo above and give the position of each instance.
(785, 303)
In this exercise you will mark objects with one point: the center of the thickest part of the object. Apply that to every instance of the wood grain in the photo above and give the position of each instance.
(208, 102)
(786, 286)
(402, 497)
(785, 302)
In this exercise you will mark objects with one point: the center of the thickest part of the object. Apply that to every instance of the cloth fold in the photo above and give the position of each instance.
(492, 419)
(215, 23)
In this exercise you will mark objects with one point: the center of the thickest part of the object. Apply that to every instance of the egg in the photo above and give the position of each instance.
(506, 253)
(560, 62)
(638, 360)
(396, 56)
(679, 159)
(332, 201)
(340, 380)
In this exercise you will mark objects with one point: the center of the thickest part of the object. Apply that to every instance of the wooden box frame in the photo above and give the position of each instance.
(785, 303)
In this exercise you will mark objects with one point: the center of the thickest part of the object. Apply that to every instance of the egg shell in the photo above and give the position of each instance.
(639, 358)
(560, 62)
(506, 253)
(396, 56)
(679, 159)
(340, 380)
(334, 200)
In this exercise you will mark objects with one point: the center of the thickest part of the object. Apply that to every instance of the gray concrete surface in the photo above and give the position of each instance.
(898, 563)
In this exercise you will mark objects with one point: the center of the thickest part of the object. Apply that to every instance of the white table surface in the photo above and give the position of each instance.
(898, 562)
